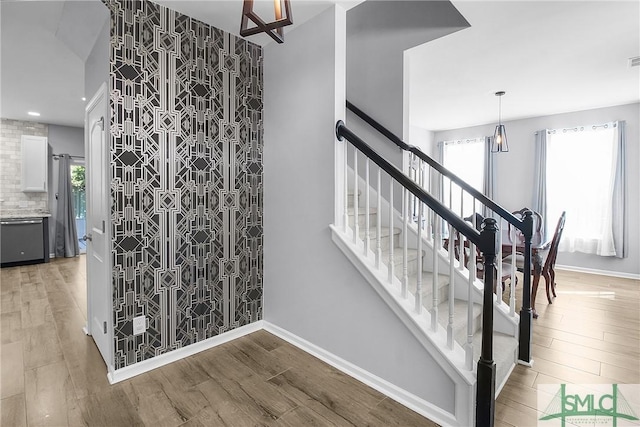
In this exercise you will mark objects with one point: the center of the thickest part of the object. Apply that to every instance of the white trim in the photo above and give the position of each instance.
(164, 359)
(528, 364)
(452, 362)
(600, 272)
(390, 390)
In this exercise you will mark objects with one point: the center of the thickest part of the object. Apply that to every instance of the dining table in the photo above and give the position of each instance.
(539, 243)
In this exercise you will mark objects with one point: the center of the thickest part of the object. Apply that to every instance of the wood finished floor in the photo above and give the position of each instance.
(52, 374)
(589, 335)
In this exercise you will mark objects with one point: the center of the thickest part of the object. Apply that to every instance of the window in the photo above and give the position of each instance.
(581, 169)
(464, 158)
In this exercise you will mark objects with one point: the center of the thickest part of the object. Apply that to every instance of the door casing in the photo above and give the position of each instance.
(99, 296)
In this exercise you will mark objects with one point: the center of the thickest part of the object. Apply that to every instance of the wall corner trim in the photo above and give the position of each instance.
(164, 359)
(390, 390)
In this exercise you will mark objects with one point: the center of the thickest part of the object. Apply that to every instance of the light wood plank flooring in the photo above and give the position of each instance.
(53, 375)
(589, 335)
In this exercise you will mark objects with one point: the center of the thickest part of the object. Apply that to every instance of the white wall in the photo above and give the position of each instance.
(62, 140)
(515, 173)
(96, 67)
(378, 33)
(310, 288)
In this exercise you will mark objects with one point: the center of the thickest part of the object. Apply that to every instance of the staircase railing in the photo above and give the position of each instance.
(416, 185)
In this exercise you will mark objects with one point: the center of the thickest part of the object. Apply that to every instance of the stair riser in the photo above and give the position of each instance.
(384, 242)
(443, 293)
(362, 219)
(412, 267)
(460, 335)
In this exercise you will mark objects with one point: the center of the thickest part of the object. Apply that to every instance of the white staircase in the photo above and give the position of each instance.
(452, 332)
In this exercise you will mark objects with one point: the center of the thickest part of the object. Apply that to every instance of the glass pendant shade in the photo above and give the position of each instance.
(499, 144)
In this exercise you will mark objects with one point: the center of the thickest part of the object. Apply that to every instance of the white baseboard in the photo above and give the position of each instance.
(392, 391)
(600, 272)
(164, 359)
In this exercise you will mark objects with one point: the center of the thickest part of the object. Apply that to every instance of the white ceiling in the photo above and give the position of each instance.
(43, 48)
(548, 56)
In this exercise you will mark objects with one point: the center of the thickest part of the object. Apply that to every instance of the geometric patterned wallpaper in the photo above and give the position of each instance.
(186, 138)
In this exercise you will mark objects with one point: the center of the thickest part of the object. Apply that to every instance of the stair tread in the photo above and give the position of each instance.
(384, 232)
(504, 348)
(361, 211)
(398, 256)
(427, 283)
(460, 313)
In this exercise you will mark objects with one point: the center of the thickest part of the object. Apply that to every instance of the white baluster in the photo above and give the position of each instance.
(405, 245)
(419, 261)
(512, 290)
(436, 247)
(378, 225)
(356, 229)
(498, 281)
(421, 182)
(367, 232)
(391, 234)
(452, 281)
(346, 188)
(461, 240)
(468, 348)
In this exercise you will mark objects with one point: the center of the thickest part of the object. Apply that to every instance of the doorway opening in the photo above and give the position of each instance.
(79, 195)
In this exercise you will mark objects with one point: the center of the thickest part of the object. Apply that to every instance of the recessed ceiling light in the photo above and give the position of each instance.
(33, 113)
(84, 99)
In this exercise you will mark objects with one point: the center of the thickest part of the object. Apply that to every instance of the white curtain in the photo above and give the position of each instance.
(489, 173)
(584, 177)
(540, 179)
(466, 159)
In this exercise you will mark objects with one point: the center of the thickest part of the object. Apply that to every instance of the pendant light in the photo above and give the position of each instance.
(499, 144)
(282, 12)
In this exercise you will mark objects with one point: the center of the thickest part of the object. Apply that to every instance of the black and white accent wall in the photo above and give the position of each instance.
(186, 137)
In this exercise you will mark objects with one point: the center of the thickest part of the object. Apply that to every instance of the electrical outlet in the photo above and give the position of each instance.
(139, 325)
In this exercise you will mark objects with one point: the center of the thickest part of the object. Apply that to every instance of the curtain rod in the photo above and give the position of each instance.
(582, 128)
(57, 156)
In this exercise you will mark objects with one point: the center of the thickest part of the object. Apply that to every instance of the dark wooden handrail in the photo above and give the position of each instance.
(444, 212)
(487, 243)
(502, 212)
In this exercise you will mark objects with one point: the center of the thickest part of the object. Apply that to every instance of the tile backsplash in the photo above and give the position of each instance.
(12, 198)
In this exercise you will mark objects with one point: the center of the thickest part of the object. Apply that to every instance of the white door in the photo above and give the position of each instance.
(99, 299)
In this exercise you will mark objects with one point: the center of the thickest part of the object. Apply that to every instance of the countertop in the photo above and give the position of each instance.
(13, 214)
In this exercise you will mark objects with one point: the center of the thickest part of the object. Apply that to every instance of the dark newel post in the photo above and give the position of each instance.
(526, 314)
(486, 386)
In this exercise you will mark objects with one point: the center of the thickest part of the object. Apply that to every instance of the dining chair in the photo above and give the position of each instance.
(507, 258)
(505, 274)
(537, 222)
(506, 268)
(548, 270)
(548, 264)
